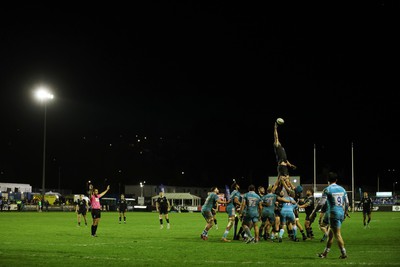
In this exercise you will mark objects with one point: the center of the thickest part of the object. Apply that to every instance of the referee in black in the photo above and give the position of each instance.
(122, 208)
(163, 206)
(367, 205)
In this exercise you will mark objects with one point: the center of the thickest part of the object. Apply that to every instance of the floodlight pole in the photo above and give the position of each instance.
(44, 151)
(44, 95)
(352, 177)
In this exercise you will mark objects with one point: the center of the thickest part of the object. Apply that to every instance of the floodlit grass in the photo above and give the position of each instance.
(53, 239)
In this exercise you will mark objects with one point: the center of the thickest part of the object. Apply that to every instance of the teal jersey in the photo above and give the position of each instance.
(234, 194)
(252, 200)
(336, 197)
(210, 202)
(288, 207)
(269, 199)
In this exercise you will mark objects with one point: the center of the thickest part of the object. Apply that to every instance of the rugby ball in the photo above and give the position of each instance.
(280, 121)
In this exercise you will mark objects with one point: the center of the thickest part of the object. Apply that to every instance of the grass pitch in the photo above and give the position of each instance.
(53, 239)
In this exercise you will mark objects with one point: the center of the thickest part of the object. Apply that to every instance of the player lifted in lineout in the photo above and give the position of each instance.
(283, 164)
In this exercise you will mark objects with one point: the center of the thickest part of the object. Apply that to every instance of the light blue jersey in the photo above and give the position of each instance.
(287, 211)
(338, 202)
(231, 207)
(252, 201)
(336, 196)
(210, 202)
(268, 210)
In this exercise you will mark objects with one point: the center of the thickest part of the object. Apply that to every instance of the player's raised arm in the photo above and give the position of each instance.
(105, 191)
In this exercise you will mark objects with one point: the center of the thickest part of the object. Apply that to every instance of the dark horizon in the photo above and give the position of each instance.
(204, 84)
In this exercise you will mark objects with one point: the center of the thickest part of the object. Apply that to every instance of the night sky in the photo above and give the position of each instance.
(200, 85)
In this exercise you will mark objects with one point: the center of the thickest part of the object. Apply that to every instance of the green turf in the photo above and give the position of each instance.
(53, 239)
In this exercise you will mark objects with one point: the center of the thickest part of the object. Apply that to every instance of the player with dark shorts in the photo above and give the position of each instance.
(283, 166)
(122, 208)
(367, 204)
(163, 206)
(299, 200)
(81, 209)
(308, 206)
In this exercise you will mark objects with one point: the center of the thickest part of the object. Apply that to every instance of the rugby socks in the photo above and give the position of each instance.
(295, 232)
(167, 220)
(225, 234)
(94, 229)
(343, 250)
(248, 232)
(262, 229)
(124, 219)
(326, 250)
(281, 231)
(161, 222)
(303, 234)
(309, 232)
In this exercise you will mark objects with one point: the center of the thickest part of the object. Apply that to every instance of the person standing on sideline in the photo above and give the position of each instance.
(211, 199)
(163, 207)
(122, 208)
(96, 206)
(81, 209)
(338, 203)
(367, 205)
